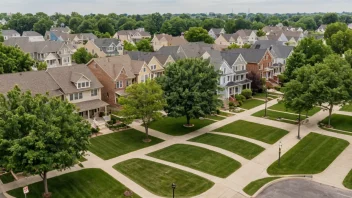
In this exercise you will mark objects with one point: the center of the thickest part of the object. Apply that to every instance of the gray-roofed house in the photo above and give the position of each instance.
(132, 36)
(33, 36)
(54, 53)
(161, 40)
(66, 29)
(322, 28)
(104, 47)
(9, 34)
(228, 39)
(215, 32)
(77, 84)
(248, 36)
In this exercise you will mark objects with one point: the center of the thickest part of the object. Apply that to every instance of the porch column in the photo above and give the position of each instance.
(88, 114)
(106, 109)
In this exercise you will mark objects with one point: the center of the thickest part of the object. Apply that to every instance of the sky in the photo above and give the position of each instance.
(173, 6)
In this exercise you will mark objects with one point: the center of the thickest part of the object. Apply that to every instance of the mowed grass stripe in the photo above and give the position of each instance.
(340, 122)
(252, 103)
(198, 158)
(86, 183)
(312, 155)
(254, 186)
(157, 178)
(120, 143)
(255, 131)
(240, 147)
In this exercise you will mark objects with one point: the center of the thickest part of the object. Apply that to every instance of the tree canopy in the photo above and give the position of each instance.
(129, 46)
(144, 45)
(14, 60)
(196, 34)
(81, 56)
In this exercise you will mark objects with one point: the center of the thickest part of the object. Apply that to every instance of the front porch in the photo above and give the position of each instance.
(233, 88)
(91, 109)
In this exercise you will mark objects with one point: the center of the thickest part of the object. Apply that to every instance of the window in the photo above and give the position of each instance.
(71, 96)
(83, 85)
(228, 78)
(119, 84)
(223, 80)
(153, 67)
(144, 69)
(79, 85)
(242, 77)
(94, 92)
(146, 77)
(127, 83)
(87, 84)
(76, 96)
(242, 67)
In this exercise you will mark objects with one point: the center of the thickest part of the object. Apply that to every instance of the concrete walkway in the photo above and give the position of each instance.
(250, 170)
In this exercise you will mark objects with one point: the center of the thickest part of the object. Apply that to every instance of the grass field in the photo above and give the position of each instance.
(252, 130)
(254, 186)
(346, 108)
(174, 126)
(273, 115)
(263, 96)
(341, 122)
(119, 143)
(251, 103)
(198, 158)
(226, 114)
(335, 131)
(7, 178)
(157, 178)
(214, 117)
(312, 155)
(347, 182)
(281, 107)
(240, 147)
(87, 183)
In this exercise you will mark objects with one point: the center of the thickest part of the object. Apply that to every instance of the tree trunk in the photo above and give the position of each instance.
(188, 120)
(330, 111)
(146, 131)
(45, 180)
(299, 126)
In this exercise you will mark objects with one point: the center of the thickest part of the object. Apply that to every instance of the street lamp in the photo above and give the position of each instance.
(266, 101)
(280, 146)
(173, 186)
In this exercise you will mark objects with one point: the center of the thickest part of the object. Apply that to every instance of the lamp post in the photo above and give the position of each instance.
(266, 101)
(280, 146)
(173, 185)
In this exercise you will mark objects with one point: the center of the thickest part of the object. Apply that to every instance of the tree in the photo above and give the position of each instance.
(333, 29)
(332, 83)
(144, 45)
(190, 87)
(178, 25)
(233, 46)
(14, 60)
(129, 46)
(41, 65)
(348, 56)
(257, 84)
(213, 23)
(166, 28)
(260, 33)
(295, 61)
(230, 26)
(246, 46)
(297, 96)
(196, 34)
(1, 38)
(257, 25)
(308, 22)
(42, 26)
(341, 41)
(81, 56)
(143, 101)
(105, 26)
(242, 24)
(39, 134)
(330, 18)
(153, 23)
(129, 25)
(74, 22)
(86, 26)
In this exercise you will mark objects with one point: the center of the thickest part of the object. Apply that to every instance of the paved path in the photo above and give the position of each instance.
(232, 186)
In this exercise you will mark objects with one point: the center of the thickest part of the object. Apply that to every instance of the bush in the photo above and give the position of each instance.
(218, 111)
(277, 88)
(101, 114)
(240, 98)
(113, 119)
(247, 93)
(95, 130)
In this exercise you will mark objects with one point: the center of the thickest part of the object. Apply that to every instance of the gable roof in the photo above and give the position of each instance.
(31, 47)
(217, 31)
(31, 33)
(131, 32)
(172, 40)
(60, 29)
(322, 26)
(138, 55)
(137, 66)
(87, 36)
(105, 42)
(175, 51)
(9, 32)
(277, 48)
(215, 59)
(230, 56)
(250, 55)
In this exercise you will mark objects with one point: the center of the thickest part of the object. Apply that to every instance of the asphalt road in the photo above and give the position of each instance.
(299, 188)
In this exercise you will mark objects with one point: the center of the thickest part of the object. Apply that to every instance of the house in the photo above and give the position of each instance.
(132, 36)
(280, 52)
(155, 62)
(268, 29)
(33, 36)
(104, 47)
(3, 22)
(66, 29)
(259, 61)
(228, 39)
(116, 73)
(9, 34)
(76, 84)
(248, 36)
(54, 53)
(215, 32)
(322, 28)
(277, 36)
(160, 40)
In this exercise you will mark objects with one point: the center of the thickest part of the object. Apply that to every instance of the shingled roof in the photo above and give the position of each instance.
(250, 55)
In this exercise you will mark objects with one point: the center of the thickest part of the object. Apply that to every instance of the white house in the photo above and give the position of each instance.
(215, 32)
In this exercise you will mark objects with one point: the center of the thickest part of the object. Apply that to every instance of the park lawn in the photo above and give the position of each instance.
(226, 114)
(263, 96)
(340, 122)
(251, 103)
(347, 182)
(7, 178)
(157, 178)
(198, 158)
(174, 126)
(254, 186)
(214, 117)
(281, 107)
(312, 155)
(253, 130)
(335, 131)
(85, 183)
(240, 147)
(346, 108)
(273, 115)
(119, 143)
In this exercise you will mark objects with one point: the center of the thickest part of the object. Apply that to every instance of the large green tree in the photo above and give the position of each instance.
(196, 34)
(39, 134)
(81, 56)
(153, 23)
(330, 18)
(143, 101)
(144, 45)
(14, 60)
(190, 87)
(295, 61)
(104, 25)
(43, 25)
(333, 29)
(341, 41)
(348, 56)
(129, 46)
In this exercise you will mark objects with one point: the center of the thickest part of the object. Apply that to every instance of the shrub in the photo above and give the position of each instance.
(113, 119)
(240, 103)
(240, 97)
(101, 114)
(277, 88)
(218, 111)
(95, 130)
(247, 93)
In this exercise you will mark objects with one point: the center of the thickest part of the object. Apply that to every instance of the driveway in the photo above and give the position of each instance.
(303, 189)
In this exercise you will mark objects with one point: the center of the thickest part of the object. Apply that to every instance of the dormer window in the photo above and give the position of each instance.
(83, 85)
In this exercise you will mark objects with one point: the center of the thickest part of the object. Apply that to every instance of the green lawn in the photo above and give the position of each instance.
(312, 155)
(335, 131)
(251, 103)
(347, 182)
(281, 107)
(7, 178)
(240, 147)
(254, 186)
(82, 159)
(273, 115)
(226, 114)
(174, 126)
(80, 184)
(119, 143)
(263, 96)
(252, 130)
(198, 158)
(157, 178)
(347, 108)
(214, 117)
(341, 122)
